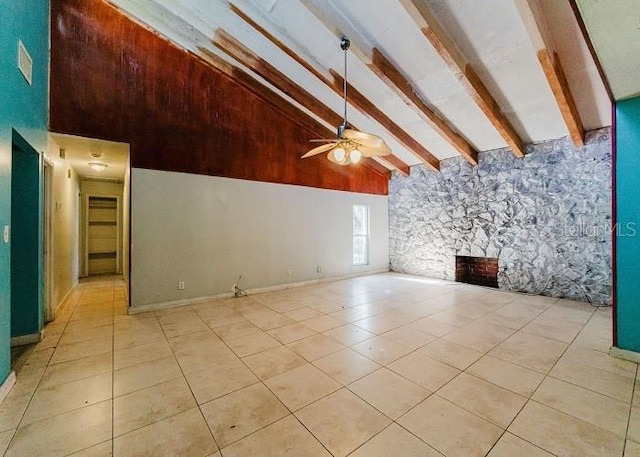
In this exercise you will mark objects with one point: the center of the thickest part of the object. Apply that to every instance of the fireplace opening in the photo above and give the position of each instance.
(481, 271)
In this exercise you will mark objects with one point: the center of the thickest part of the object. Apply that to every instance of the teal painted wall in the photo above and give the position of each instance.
(26, 228)
(628, 219)
(23, 108)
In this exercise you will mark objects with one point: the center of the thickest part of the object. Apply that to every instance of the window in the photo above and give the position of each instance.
(360, 235)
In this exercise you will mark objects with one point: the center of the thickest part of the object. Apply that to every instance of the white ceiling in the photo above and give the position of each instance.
(78, 152)
(614, 28)
(489, 33)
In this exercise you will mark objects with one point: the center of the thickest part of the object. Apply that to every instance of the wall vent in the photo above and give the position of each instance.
(25, 63)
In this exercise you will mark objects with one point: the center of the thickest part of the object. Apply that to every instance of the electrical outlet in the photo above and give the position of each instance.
(5, 234)
(180, 285)
(318, 269)
(289, 272)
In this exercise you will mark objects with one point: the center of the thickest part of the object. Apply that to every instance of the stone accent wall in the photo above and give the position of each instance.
(546, 217)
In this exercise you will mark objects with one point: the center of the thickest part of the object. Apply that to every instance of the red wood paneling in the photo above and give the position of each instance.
(113, 79)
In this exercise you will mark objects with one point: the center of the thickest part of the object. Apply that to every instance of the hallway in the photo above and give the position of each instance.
(372, 366)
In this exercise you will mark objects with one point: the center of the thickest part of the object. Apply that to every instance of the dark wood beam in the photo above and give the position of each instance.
(235, 49)
(399, 83)
(465, 73)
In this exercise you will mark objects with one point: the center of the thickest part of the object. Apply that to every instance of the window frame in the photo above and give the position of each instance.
(366, 236)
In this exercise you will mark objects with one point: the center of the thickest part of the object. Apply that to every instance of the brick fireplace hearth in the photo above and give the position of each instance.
(481, 271)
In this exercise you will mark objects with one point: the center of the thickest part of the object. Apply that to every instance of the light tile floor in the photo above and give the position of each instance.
(383, 365)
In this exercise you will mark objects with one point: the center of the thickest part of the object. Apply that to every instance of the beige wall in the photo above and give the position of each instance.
(206, 230)
(65, 228)
(126, 219)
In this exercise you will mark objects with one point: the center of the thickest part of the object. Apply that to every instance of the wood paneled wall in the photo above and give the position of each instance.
(113, 79)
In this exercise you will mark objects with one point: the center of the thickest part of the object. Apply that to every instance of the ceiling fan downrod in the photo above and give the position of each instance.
(344, 45)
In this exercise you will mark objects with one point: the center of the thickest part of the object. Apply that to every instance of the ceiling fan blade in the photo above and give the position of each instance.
(318, 150)
(366, 139)
(324, 140)
(368, 151)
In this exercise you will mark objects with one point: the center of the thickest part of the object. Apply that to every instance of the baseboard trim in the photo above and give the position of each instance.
(624, 354)
(54, 311)
(7, 385)
(23, 340)
(257, 290)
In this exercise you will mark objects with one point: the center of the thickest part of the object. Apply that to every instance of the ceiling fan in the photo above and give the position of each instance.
(351, 144)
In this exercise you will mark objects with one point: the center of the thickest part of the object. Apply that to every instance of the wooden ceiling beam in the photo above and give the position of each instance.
(240, 53)
(277, 42)
(464, 72)
(540, 38)
(393, 161)
(560, 87)
(274, 99)
(367, 107)
(357, 99)
(394, 78)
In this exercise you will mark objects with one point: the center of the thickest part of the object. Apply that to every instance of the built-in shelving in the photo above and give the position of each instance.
(102, 236)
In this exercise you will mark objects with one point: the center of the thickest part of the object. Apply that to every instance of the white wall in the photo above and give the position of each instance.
(65, 216)
(206, 230)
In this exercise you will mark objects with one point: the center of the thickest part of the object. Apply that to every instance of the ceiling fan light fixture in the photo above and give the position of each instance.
(339, 154)
(351, 145)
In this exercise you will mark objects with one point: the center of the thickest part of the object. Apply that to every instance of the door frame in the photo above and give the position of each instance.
(47, 238)
(18, 142)
(86, 230)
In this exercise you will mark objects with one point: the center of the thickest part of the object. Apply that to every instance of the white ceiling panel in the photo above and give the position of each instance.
(489, 33)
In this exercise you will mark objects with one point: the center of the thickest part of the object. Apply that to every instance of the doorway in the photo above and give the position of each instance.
(26, 242)
(103, 235)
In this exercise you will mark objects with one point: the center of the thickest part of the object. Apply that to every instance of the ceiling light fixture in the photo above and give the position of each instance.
(98, 166)
(350, 145)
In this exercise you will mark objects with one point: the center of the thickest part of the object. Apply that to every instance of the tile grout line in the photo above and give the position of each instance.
(633, 394)
(486, 354)
(40, 380)
(260, 381)
(346, 323)
(113, 372)
(342, 386)
(188, 385)
(312, 363)
(530, 399)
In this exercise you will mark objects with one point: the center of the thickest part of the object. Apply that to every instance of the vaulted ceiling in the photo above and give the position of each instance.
(614, 29)
(434, 78)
